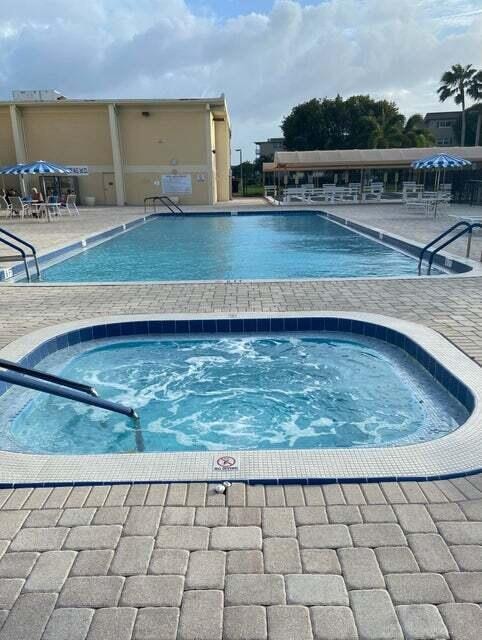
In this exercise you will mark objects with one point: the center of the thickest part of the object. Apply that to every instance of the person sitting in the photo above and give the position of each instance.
(36, 197)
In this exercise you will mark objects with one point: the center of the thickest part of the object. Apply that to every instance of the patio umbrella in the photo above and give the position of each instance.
(39, 168)
(440, 162)
(9, 171)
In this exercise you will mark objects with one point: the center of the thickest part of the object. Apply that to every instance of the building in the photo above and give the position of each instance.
(267, 148)
(125, 150)
(390, 166)
(443, 126)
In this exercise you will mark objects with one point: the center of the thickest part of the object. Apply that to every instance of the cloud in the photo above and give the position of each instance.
(265, 63)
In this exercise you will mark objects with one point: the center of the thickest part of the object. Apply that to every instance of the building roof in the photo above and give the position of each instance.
(436, 115)
(270, 140)
(361, 158)
(218, 101)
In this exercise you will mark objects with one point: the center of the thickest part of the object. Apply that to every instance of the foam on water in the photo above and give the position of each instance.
(235, 392)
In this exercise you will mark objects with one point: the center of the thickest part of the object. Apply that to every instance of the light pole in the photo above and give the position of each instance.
(241, 184)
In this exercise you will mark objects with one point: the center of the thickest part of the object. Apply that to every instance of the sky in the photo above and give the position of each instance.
(266, 56)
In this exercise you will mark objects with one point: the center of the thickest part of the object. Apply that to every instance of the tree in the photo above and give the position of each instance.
(455, 84)
(359, 122)
(386, 128)
(475, 92)
(304, 128)
(416, 134)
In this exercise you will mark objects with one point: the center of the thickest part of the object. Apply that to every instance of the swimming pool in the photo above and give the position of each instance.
(246, 246)
(234, 392)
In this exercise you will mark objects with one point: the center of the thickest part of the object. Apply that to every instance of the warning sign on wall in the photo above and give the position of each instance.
(176, 183)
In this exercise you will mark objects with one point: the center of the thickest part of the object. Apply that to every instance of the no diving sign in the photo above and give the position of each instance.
(225, 463)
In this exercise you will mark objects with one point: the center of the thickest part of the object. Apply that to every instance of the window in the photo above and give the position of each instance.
(444, 124)
(443, 141)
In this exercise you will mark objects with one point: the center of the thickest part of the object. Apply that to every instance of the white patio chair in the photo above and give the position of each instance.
(19, 207)
(5, 207)
(71, 205)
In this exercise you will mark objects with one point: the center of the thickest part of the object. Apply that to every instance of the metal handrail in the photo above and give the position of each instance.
(30, 246)
(166, 201)
(24, 380)
(15, 258)
(48, 377)
(469, 229)
(439, 237)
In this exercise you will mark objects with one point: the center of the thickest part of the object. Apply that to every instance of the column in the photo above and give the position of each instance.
(18, 141)
(209, 156)
(117, 156)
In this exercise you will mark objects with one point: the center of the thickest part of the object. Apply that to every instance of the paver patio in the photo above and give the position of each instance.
(181, 562)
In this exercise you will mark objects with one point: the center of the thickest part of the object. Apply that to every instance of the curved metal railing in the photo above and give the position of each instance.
(62, 387)
(166, 201)
(20, 251)
(469, 229)
(440, 237)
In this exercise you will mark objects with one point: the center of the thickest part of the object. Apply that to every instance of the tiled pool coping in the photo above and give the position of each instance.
(455, 265)
(458, 453)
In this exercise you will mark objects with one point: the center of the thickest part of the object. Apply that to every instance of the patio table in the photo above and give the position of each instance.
(39, 207)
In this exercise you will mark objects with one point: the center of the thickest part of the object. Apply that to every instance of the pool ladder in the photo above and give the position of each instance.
(467, 228)
(19, 246)
(16, 374)
(166, 201)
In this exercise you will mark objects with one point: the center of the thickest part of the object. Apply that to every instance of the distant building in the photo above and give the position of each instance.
(443, 126)
(267, 148)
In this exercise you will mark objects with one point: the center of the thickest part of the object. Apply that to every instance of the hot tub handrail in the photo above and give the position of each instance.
(48, 377)
(463, 223)
(61, 391)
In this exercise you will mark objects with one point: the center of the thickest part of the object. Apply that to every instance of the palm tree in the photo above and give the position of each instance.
(475, 92)
(455, 83)
(416, 134)
(385, 128)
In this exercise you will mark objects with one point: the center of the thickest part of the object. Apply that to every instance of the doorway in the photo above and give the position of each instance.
(108, 183)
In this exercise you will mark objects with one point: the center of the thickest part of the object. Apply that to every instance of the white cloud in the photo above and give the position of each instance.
(265, 63)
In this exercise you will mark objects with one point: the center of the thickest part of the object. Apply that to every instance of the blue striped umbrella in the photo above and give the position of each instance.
(39, 168)
(441, 161)
(10, 170)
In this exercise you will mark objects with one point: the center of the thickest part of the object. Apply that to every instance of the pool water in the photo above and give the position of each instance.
(273, 391)
(225, 247)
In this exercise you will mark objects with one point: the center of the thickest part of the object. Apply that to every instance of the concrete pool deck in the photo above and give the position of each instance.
(385, 560)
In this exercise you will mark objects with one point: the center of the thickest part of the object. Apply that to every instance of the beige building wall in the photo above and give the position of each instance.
(155, 138)
(7, 147)
(160, 140)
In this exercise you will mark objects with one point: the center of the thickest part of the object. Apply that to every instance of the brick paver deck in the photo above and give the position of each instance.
(181, 562)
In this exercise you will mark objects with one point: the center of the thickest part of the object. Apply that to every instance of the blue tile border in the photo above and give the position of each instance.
(253, 325)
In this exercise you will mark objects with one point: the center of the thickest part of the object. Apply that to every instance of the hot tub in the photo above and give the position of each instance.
(299, 397)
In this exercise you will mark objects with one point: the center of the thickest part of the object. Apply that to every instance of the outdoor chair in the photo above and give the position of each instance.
(53, 206)
(71, 205)
(19, 207)
(5, 207)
